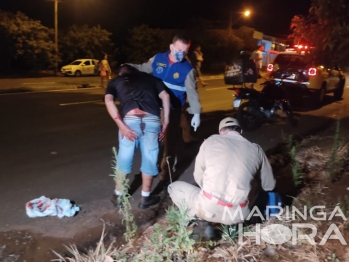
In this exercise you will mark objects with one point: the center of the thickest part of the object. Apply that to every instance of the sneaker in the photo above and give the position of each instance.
(116, 200)
(148, 201)
(203, 231)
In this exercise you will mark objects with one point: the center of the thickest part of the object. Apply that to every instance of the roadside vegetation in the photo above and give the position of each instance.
(310, 169)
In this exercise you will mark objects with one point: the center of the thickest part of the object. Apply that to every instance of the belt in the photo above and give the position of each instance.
(222, 203)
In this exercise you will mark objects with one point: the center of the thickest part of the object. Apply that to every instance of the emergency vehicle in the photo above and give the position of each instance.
(297, 69)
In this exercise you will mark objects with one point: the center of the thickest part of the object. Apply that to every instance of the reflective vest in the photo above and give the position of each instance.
(173, 76)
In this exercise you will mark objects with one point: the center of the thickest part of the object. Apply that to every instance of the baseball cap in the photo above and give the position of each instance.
(228, 121)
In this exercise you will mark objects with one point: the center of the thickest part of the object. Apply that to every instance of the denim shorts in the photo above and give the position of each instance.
(148, 128)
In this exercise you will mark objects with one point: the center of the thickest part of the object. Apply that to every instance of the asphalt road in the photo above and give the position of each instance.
(59, 144)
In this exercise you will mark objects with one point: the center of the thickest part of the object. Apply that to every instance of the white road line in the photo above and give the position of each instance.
(38, 83)
(213, 88)
(79, 103)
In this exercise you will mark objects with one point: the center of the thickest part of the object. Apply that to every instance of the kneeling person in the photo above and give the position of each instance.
(139, 125)
(229, 171)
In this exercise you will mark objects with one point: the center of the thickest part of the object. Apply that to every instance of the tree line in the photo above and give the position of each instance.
(29, 45)
(326, 28)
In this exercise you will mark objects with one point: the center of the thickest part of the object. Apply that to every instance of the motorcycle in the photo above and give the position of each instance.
(261, 106)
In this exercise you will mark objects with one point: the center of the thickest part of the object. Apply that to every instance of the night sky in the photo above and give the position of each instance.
(272, 17)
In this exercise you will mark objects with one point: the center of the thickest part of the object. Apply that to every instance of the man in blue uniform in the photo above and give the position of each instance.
(179, 77)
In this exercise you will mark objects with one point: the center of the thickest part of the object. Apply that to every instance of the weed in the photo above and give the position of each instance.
(290, 142)
(211, 244)
(178, 220)
(296, 170)
(334, 160)
(125, 209)
(344, 204)
(333, 258)
(231, 233)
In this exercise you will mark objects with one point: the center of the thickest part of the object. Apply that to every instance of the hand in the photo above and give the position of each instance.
(125, 131)
(195, 121)
(163, 131)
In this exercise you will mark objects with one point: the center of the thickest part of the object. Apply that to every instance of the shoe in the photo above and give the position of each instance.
(116, 200)
(203, 231)
(148, 201)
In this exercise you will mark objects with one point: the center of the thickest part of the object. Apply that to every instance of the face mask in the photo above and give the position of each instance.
(179, 55)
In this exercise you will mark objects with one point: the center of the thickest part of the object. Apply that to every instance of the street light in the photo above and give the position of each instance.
(246, 14)
(56, 31)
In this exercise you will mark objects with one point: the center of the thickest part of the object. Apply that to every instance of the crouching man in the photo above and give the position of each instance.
(229, 171)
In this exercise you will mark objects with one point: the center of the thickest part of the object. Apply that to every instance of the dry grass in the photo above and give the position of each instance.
(99, 254)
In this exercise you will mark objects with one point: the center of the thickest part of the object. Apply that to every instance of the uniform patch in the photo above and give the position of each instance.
(176, 75)
(159, 70)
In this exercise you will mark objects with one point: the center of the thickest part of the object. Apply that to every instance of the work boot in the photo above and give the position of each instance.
(203, 231)
(148, 201)
(116, 200)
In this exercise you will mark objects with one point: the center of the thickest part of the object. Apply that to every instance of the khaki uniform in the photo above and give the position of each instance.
(229, 171)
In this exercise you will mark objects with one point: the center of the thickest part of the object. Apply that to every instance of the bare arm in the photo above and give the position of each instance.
(145, 67)
(115, 115)
(164, 96)
(192, 94)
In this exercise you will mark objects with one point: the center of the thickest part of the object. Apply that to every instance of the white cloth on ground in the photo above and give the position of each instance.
(44, 206)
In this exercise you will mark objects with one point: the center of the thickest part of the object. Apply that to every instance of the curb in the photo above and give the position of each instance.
(43, 88)
(26, 89)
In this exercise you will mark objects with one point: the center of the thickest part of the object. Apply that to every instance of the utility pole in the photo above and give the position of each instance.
(56, 34)
(230, 23)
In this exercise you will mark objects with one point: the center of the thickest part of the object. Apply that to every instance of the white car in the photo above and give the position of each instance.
(81, 67)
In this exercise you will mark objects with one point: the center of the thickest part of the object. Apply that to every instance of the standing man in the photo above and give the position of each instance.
(139, 125)
(230, 171)
(257, 57)
(198, 58)
(178, 75)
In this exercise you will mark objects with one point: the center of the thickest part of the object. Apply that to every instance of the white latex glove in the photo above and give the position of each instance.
(195, 121)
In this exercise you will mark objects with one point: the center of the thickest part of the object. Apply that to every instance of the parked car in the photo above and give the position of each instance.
(81, 67)
(298, 71)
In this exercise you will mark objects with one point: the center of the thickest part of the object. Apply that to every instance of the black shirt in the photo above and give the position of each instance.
(137, 90)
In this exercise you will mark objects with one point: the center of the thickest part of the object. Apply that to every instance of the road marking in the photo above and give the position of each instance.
(38, 83)
(79, 103)
(213, 88)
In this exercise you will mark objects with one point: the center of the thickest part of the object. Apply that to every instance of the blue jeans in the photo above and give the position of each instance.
(148, 128)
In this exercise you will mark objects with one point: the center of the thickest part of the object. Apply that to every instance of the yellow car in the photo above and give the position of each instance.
(298, 71)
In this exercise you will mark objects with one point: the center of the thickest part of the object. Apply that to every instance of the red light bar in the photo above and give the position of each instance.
(270, 67)
(312, 71)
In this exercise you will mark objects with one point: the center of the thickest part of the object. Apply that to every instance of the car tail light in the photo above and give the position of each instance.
(270, 67)
(312, 71)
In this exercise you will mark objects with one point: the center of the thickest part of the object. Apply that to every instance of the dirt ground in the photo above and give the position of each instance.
(317, 188)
